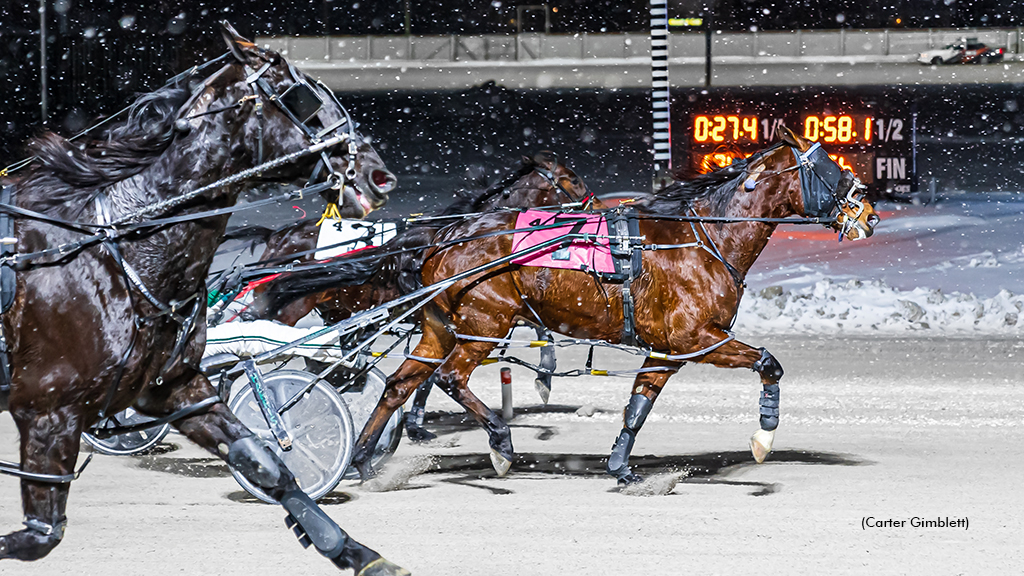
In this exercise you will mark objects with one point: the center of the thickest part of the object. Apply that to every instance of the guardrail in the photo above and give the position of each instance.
(532, 46)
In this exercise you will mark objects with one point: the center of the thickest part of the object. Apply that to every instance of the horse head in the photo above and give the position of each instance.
(285, 111)
(825, 190)
(544, 172)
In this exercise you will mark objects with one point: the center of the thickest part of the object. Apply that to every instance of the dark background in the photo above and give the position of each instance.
(103, 52)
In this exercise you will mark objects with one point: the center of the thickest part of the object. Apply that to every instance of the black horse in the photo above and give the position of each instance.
(99, 326)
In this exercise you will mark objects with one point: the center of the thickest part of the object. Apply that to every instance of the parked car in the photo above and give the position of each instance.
(968, 51)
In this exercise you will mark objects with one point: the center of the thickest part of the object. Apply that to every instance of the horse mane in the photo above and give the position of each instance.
(120, 152)
(716, 188)
(476, 201)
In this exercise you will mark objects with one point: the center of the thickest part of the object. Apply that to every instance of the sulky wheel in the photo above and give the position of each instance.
(130, 443)
(361, 401)
(320, 427)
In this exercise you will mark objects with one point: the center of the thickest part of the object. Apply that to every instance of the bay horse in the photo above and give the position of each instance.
(541, 180)
(96, 328)
(686, 290)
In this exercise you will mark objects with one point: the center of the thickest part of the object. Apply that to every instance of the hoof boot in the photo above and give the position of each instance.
(631, 478)
(761, 444)
(543, 390)
(500, 463)
(381, 567)
(418, 434)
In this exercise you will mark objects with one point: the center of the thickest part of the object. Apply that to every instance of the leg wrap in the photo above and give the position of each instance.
(768, 366)
(770, 407)
(548, 363)
(636, 412)
(769, 369)
(415, 416)
(254, 460)
(312, 525)
(265, 469)
(632, 420)
(618, 461)
(414, 425)
(34, 542)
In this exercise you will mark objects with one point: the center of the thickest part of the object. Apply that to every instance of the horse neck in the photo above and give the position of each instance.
(175, 260)
(742, 242)
(527, 197)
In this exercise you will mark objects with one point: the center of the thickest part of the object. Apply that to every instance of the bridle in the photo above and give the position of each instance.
(548, 175)
(821, 180)
(302, 104)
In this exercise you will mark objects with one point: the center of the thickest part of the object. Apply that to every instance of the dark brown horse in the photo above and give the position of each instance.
(538, 181)
(99, 327)
(686, 291)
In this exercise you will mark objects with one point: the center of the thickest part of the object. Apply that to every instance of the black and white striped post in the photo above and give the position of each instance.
(660, 94)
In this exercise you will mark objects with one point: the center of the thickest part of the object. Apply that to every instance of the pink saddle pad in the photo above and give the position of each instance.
(592, 255)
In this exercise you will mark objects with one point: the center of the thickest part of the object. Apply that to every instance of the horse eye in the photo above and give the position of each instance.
(575, 181)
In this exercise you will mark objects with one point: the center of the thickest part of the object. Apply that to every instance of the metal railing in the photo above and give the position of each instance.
(536, 46)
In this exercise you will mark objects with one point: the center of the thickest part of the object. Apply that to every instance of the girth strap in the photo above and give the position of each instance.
(628, 226)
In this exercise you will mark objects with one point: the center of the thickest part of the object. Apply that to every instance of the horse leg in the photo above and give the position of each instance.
(414, 417)
(452, 376)
(49, 445)
(736, 354)
(646, 388)
(435, 343)
(547, 364)
(219, 432)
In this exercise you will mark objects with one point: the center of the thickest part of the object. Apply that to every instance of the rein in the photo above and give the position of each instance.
(109, 232)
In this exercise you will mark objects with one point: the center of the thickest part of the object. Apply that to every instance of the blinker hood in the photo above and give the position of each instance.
(819, 179)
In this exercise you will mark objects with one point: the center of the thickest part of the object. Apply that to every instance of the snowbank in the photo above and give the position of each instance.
(873, 307)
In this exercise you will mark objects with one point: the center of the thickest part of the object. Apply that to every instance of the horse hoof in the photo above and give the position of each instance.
(418, 434)
(761, 444)
(381, 567)
(630, 478)
(366, 471)
(500, 463)
(543, 390)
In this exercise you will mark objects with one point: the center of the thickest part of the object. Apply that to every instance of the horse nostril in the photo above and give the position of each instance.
(382, 180)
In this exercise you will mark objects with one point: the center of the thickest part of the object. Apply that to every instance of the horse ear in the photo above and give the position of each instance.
(243, 50)
(546, 158)
(792, 138)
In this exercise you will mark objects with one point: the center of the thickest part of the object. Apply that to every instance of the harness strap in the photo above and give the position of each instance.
(13, 469)
(183, 333)
(628, 226)
(8, 288)
(103, 217)
(197, 408)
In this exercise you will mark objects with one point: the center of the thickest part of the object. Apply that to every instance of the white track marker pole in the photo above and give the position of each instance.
(506, 394)
(660, 93)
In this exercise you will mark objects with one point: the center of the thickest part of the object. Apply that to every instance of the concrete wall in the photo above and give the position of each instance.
(808, 43)
(777, 58)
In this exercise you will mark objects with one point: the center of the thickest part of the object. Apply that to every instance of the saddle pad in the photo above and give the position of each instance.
(349, 235)
(579, 255)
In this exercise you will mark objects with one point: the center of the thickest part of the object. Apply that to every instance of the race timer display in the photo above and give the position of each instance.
(874, 142)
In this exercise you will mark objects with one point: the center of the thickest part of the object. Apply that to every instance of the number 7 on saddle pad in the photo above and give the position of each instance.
(590, 255)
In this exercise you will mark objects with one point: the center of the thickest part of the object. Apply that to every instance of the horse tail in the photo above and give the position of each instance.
(362, 268)
(261, 233)
(255, 234)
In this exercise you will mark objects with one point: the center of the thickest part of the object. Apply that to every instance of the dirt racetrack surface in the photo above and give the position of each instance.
(872, 430)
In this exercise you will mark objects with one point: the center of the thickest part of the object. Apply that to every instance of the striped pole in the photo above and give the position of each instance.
(659, 90)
